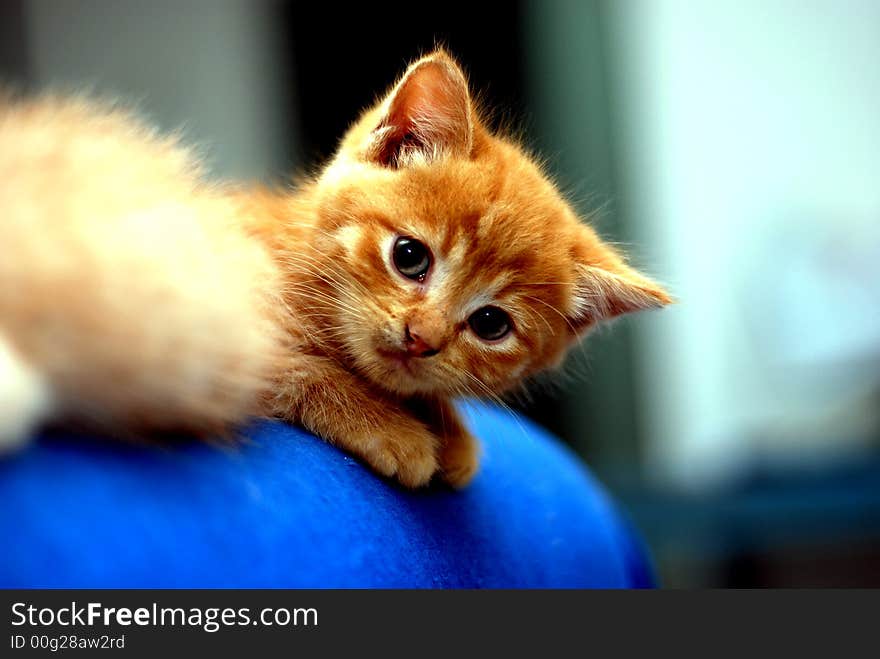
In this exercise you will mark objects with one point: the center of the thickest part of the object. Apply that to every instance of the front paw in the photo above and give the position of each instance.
(407, 452)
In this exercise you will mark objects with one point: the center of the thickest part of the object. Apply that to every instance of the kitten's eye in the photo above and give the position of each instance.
(411, 258)
(490, 323)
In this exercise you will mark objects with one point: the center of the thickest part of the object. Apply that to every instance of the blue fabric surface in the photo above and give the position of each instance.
(288, 510)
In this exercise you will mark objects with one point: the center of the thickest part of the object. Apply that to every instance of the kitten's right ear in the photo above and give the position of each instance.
(426, 116)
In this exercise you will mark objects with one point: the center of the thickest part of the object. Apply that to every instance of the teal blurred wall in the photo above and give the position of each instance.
(734, 147)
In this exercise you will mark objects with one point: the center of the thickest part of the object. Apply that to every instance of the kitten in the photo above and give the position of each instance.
(429, 259)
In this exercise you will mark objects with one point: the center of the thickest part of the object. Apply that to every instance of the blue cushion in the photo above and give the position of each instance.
(286, 509)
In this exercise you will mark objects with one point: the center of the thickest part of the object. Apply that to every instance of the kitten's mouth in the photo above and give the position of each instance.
(400, 359)
(403, 372)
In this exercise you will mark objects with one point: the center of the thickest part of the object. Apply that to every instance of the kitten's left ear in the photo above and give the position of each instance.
(427, 115)
(609, 290)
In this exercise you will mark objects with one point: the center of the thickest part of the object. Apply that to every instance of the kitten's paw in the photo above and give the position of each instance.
(409, 455)
(459, 459)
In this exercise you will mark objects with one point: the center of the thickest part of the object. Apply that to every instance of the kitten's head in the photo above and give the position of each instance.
(455, 265)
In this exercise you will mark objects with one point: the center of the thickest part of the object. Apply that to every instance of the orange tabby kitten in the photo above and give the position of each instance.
(429, 259)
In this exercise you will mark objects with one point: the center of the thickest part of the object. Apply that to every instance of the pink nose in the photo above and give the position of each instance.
(416, 346)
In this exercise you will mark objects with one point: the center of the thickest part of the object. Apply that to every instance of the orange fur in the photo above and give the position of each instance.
(143, 296)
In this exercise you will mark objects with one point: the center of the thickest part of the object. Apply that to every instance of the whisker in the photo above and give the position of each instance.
(552, 308)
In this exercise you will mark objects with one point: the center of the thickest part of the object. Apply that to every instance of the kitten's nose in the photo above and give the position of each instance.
(416, 346)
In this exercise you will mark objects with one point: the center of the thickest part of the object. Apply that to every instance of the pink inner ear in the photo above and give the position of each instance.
(428, 114)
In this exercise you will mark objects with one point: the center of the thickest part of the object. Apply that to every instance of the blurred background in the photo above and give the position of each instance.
(732, 148)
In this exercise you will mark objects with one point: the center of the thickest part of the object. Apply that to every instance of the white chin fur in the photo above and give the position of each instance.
(25, 399)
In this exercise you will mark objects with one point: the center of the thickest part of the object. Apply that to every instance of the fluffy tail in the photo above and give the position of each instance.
(131, 298)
